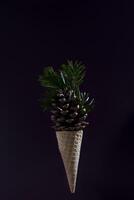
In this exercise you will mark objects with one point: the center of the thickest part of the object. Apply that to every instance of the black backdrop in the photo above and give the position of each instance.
(35, 35)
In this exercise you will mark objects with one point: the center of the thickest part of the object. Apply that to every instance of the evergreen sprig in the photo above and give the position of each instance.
(51, 79)
(73, 73)
(69, 77)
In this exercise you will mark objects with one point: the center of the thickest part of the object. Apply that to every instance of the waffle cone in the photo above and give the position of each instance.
(69, 143)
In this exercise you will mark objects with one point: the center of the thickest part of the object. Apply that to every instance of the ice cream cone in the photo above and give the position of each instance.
(69, 143)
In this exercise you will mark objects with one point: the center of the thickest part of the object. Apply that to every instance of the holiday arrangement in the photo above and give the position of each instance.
(69, 108)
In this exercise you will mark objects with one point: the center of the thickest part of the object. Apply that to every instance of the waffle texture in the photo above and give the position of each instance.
(69, 143)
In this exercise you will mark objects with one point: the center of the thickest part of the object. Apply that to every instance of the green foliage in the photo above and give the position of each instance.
(47, 99)
(69, 77)
(73, 73)
(51, 79)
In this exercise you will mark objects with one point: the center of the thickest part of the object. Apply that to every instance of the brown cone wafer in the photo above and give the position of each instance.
(69, 143)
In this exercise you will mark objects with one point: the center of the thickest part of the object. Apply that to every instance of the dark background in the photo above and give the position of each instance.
(37, 34)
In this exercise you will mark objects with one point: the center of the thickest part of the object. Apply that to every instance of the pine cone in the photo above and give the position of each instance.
(67, 114)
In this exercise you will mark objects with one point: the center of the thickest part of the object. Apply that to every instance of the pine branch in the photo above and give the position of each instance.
(68, 78)
(74, 73)
(51, 79)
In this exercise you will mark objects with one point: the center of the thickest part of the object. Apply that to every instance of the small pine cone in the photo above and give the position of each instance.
(67, 114)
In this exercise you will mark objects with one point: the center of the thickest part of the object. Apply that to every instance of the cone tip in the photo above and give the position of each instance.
(72, 190)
